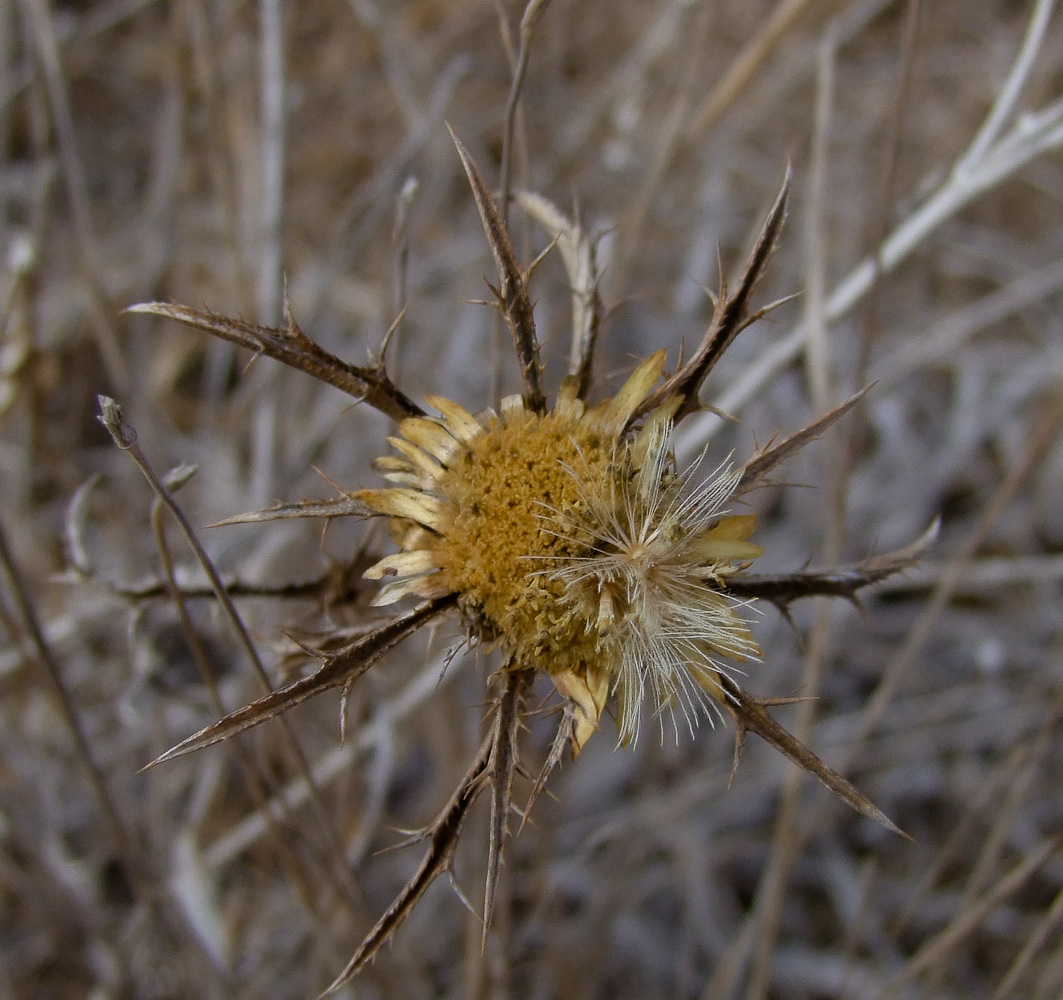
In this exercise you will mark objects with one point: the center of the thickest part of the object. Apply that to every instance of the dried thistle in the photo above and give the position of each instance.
(566, 538)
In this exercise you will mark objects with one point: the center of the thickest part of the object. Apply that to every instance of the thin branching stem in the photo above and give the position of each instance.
(252, 779)
(125, 437)
(532, 14)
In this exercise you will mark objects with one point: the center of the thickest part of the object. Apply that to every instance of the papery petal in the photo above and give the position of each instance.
(589, 699)
(616, 412)
(403, 564)
(417, 506)
(460, 422)
(431, 437)
(430, 586)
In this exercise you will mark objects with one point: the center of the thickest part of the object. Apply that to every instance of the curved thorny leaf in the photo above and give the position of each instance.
(513, 295)
(294, 348)
(750, 715)
(729, 318)
(442, 836)
(840, 581)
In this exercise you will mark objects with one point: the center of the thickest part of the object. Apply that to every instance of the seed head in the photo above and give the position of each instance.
(571, 542)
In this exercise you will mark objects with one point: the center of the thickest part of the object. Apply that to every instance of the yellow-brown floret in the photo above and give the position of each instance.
(500, 494)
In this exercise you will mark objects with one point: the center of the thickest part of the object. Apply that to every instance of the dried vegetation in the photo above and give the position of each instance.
(259, 158)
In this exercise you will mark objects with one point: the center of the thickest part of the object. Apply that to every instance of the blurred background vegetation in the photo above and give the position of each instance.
(212, 152)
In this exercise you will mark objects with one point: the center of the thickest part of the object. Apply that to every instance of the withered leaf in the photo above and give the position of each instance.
(334, 507)
(757, 468)
(442, 836)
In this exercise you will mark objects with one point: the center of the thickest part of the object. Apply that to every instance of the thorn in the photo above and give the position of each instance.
(740, 749)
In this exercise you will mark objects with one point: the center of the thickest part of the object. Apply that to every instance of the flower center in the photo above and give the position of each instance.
(504, 494)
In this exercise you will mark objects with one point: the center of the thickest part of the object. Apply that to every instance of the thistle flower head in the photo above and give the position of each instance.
(565, 537)
(570, 541)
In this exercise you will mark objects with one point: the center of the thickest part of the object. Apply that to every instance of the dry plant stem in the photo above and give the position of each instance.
(501, 769)
(512, 293)
(265, 425)
(785, 845)
(272, 93)
(40, 652)
(581, 265)
(1008, 96)
(221, 159)
(730, 317)
(1034, 943)
(125, 438)
(40, 18)
(254, 782)
(291, 346)
(442, 836)
(818, 367)
(885, 198)
(532, 13)
(393, 56)
(970, 918)
(744, 67)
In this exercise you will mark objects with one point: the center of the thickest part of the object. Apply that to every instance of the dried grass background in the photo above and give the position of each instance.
(205, 151)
